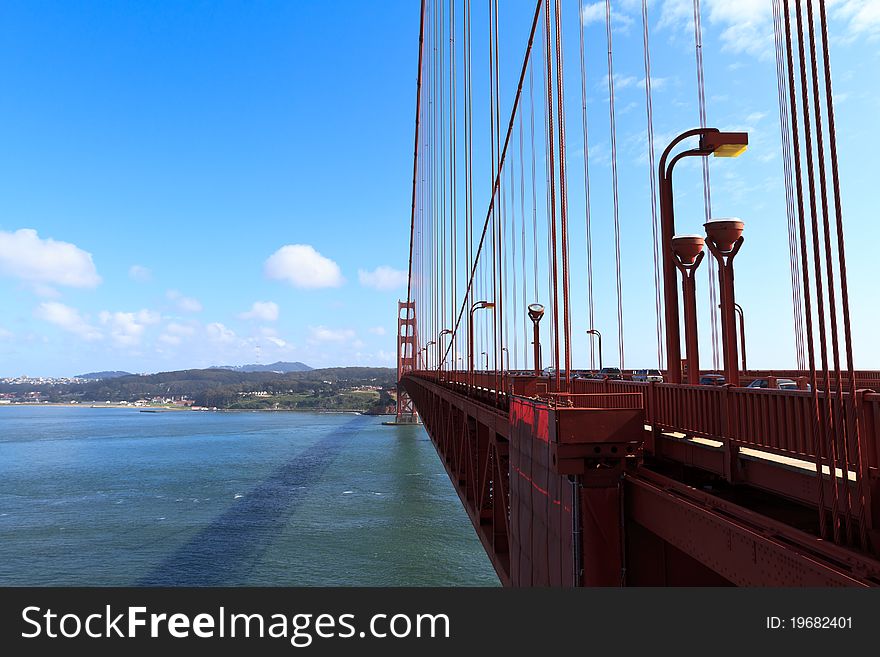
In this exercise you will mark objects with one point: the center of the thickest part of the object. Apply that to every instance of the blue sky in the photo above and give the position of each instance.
(199, 183)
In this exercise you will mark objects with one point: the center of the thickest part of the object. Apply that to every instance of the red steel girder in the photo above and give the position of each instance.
(744, 547)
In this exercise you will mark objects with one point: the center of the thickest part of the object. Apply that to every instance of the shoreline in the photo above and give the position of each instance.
(196, 410)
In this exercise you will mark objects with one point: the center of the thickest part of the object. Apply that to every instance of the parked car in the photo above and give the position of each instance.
(712, 380)
(613, 373)
(551, 373)
(648, 375)
(781, 384)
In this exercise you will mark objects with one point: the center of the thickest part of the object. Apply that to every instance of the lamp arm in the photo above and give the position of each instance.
(695, 132)
(736, 246)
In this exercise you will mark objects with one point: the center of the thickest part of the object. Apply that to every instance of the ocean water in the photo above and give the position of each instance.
(116, 497)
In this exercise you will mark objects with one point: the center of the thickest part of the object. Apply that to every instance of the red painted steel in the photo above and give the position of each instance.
(542, 545)
(555, 485)
(582, 481)
(407, 339)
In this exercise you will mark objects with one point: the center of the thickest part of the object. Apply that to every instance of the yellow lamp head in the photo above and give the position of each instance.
(725, 144)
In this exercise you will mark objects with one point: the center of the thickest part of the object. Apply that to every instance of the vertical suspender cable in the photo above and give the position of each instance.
(432, 185)
(534, 180)
(499, 217)
(551, 152)
(827, 428)
(838, 425)
(589, 236)
(493, 166)
(453, 174)
(513, 351)
(495, 188)
(412, 219)
(563, 195)
(616, 205)
(844, 289)
(468, 166)
(522, 215)
(707, 191)
(652, 178)
(818, 432)
(441, 317)
(548, 214)
(785, 132)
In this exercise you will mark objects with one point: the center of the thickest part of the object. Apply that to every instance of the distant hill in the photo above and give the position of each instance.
(279, 367)
(98, 376)
(335, 388)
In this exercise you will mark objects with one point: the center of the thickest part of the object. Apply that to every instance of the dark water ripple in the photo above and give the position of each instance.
(224, 551)
(113, 497)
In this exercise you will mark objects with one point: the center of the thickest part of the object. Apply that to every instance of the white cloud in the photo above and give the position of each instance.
(278, 342)
(746, 26)
(863, 16)
(754, 117)
(378, 330)
(621, 82)
(263, 310)
(5, 334)
(380, 358)
(68, 319)
(45, 262)
(385, 358)
(140, 273)
(302, 266)
(595, 13)
(382, 278)
(127, 328)
(175, 333)
(183, 303)
(324, 334)
(180, 329)
(45, 291)
(219, 333)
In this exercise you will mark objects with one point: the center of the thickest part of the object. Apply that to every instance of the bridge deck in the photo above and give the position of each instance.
(726, 469)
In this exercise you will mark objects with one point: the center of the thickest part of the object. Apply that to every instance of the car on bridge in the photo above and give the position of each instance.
(712, 380)
(780, 384)
(648, 375)
(551, 372)
(612, 373)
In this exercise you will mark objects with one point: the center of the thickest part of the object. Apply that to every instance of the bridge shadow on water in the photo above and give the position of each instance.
(222, 553)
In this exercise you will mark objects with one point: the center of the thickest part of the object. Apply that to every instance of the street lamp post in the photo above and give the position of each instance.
(688, 250)
(428, 344)
(742, 333)
(440, 348)
(598, 335)
(712, 141)
(475, 307)
(503, 360)
(536, 312)
(724, 239)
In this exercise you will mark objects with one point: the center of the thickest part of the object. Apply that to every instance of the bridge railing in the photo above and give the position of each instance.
(495, 389)
(780, 422)
(777, 421)
(869, 420)
(865, 379)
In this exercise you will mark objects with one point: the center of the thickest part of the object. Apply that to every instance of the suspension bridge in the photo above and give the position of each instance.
(575, 474)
